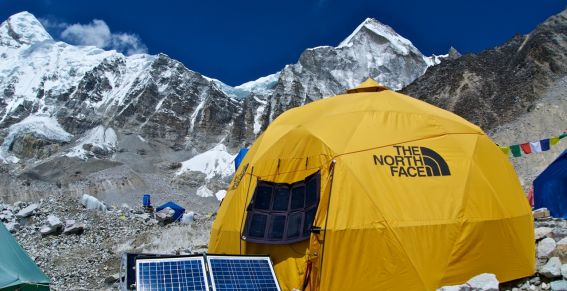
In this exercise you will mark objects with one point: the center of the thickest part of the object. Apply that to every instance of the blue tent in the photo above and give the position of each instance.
(550, 187)
(178, 209)
(239, 158)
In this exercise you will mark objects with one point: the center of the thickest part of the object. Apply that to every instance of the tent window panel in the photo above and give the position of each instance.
(281, 213)
(263, 197)
(294, 225)
(311, 192)
(281, 199)
(258, 225)
(309, 217)
(297, 197)
(277, 227)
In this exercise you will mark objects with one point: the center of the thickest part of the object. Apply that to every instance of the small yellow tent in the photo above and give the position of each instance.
(375, 190)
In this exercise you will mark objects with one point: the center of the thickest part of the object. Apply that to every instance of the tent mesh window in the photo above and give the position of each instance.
(282, 213)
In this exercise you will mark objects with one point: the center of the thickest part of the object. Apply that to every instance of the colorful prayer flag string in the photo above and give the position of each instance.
(532, 146)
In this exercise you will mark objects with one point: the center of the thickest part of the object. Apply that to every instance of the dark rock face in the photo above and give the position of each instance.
(28, 146)
(493, 87)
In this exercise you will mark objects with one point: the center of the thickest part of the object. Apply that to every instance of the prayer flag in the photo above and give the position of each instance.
(536, 146)
(515, 149)
(526, 148)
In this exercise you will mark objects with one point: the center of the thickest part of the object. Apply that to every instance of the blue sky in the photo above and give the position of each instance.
(238, 41)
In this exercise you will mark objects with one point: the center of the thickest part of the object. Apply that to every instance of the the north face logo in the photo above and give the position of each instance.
(414, 161)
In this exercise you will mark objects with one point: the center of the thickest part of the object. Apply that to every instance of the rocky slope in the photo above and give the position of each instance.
(517, 91)
(494, 86)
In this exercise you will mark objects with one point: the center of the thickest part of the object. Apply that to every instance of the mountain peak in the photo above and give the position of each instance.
(371, 26)
(22, 29)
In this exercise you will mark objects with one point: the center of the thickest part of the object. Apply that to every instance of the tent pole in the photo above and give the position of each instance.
(331, 177)
(244, 210)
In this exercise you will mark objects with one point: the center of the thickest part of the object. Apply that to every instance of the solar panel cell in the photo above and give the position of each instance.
(242, 273)
(187, 273)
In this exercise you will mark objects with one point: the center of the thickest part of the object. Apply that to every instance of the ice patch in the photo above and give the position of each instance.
(262, 86)
(216, 161)
(203, 191)
(101, 137)
(45, 127)
(92, 203)
(258, 116)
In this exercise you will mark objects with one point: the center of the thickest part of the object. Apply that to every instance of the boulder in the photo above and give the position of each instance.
(560, 285)
(545, 247)
(535, 280)
(28, 211)
(69, 222)
(482, 282)
(112, 279)
(47, 230)
(165, 215)
(54, 221)
(542, 232)
(541, 213)
(552, 269)
(90, 202)
(561, 250)
(75, 228)
(564, 271)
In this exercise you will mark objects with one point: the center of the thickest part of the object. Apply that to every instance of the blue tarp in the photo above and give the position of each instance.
(550, 187)
(239, 158)
(178, 209)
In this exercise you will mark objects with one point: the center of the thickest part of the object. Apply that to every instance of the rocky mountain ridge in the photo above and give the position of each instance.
(517, 91)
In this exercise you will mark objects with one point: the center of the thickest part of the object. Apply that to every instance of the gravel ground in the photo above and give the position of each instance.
(83, 262)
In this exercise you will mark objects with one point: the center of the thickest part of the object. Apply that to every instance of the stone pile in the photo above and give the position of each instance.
(551, 255)
(78, 243)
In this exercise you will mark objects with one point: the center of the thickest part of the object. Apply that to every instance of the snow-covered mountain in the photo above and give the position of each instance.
(372, 50)
(61, 103)
(83, 87)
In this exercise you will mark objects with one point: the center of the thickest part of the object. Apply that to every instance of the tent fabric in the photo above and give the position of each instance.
(178, 209)
(239, 157)
(412, 197)
(550, 187)
(17, 270)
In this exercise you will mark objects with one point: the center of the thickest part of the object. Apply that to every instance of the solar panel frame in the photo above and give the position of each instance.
(203, 273)
(213, 274)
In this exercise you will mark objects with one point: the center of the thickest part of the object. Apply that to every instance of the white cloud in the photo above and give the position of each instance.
(128, 43)
(97, 33)
(51, 24)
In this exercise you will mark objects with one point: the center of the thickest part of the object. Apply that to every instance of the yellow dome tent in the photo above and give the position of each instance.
(375, 190)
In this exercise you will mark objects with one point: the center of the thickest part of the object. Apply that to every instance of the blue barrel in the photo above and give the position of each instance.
(146, 200)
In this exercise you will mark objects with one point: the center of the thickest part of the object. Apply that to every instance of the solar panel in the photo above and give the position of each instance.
(242, 273)
(172, 274)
